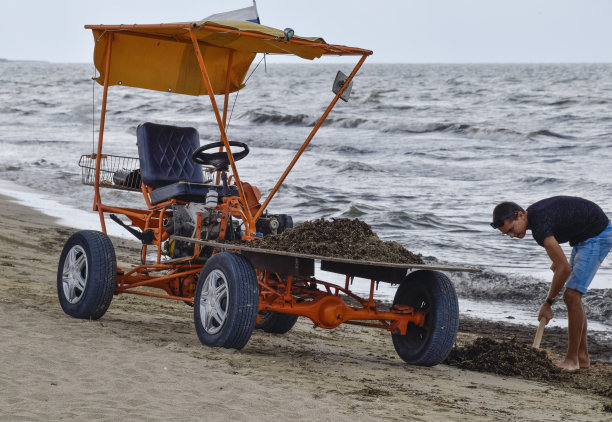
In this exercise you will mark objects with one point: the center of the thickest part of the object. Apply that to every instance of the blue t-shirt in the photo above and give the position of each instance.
(568, 218)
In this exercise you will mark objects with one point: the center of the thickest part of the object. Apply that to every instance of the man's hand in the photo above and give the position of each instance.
(545, 312)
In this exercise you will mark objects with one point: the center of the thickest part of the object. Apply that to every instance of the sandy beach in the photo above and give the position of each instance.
(143, 360)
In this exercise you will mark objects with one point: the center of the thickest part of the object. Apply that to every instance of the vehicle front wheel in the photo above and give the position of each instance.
(226, 301)
(433, 293)
(87, 275)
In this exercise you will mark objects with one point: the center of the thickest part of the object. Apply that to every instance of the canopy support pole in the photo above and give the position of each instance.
(250, 226)
(230, 60)
(97, 198)
(309, 138)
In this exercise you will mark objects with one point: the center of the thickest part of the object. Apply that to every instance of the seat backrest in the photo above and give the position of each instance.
(165, 154)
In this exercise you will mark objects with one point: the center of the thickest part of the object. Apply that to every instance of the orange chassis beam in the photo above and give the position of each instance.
(297, 295)
(292, 295)
(326, 308)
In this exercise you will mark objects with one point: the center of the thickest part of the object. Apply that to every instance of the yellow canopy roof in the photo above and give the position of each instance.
(162, 57)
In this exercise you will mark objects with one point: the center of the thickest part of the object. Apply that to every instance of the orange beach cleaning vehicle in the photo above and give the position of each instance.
(194, 200)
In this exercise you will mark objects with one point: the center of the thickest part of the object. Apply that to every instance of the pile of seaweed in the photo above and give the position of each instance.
(512, 358)
(339, 238)
(507, 357)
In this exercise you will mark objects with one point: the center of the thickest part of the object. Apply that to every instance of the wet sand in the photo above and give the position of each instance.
(143, 360)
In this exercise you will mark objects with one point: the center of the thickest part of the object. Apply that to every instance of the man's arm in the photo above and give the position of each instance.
(561, 269)
(560, 266)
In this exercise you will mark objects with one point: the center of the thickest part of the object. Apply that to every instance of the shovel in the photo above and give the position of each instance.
(538, 336)
(543, 322)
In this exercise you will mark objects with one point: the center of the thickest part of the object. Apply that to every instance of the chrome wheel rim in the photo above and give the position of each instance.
(74, 274)
(214, 302)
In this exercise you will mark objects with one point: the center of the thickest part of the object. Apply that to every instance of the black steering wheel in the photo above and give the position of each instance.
(218, 159)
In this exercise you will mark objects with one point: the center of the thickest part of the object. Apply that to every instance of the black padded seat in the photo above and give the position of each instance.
(189, 192)
(166, 165)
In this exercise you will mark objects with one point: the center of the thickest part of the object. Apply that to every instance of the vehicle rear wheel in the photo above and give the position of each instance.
(226, 301)
(433, 293)
(87, 275)
(275, 322)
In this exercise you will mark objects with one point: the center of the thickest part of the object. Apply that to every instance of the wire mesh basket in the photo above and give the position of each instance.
(116, 172)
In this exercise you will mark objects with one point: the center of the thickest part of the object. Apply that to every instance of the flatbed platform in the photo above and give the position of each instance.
(291, 263)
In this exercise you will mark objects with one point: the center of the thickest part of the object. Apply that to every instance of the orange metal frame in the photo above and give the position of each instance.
(288, 294)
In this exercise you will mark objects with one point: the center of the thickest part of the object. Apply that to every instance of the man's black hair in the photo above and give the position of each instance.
(505, 211)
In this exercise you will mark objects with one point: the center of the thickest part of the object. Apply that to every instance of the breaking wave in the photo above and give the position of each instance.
(302, 120)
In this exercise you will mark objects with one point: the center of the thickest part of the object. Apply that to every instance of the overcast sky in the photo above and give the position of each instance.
(408, 31)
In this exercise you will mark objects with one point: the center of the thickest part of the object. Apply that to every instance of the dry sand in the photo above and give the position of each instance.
(143, 360)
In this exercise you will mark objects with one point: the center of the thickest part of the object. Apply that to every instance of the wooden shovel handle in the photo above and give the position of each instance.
(538, 336)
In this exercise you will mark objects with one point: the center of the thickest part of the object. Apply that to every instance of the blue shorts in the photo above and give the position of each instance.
(586, 258)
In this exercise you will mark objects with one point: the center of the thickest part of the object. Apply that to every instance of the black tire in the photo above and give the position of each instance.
(432, 292)
(87, 275)
(285, 221)
(275, 322)
(226, 301)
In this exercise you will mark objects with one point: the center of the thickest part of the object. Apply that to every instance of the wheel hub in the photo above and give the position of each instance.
(74, 274)
(214, 302)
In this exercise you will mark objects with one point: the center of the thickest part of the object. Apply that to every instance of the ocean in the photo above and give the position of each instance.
(421, 152)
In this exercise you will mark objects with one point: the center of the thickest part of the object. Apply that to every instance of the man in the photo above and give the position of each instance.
(553, 221)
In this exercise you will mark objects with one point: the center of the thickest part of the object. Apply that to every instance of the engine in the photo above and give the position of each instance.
(183, 222)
